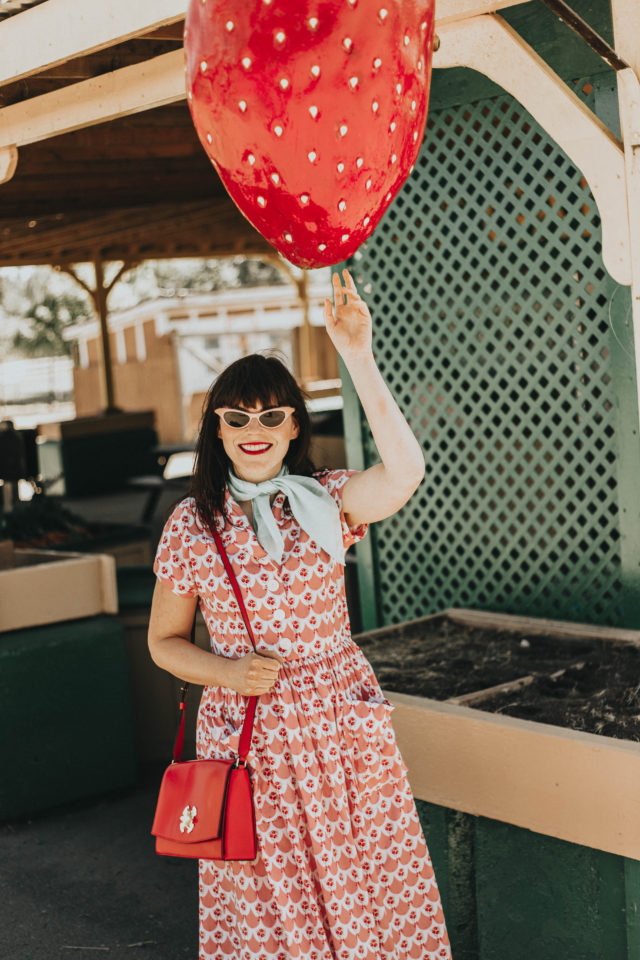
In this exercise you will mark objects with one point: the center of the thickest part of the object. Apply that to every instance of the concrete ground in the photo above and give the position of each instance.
(84, 881)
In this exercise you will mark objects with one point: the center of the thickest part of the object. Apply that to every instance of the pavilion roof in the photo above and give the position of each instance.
(136, 187)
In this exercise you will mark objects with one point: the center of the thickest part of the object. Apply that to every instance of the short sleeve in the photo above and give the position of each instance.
(173, 563)
(334, 481)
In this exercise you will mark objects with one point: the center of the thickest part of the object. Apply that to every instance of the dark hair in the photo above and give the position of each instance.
(247, 382)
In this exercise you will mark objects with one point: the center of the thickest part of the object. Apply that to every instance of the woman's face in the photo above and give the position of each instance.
(256, 467)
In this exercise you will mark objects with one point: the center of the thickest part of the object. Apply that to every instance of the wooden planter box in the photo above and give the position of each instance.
(46, 586)
(576, 786)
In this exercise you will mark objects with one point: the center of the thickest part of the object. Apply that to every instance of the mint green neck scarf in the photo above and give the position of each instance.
(313, 507)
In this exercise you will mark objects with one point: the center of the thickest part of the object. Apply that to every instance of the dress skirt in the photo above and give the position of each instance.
(343, 871)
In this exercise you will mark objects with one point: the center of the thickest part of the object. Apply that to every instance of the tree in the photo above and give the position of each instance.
(255, 273)
(48, 318)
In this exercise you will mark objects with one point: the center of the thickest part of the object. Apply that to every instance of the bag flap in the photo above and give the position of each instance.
(191, 800)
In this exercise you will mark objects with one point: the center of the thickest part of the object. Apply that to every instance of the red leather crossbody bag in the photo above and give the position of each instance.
(205, 807)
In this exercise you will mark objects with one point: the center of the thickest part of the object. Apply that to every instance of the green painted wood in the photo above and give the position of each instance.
(557, 44)
(540, 898)
(624, 372)
(450, 838)
(509, 348)
(623, 368)
(64, 691)
(632, 905)
(365, 549)
(490, 303)
(435, 826)
(136, 583)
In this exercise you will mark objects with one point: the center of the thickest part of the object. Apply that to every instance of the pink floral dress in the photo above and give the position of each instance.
(343, 871)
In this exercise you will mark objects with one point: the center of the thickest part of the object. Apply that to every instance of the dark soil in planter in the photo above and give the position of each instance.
(441, 659)
(602, 697)
(44, 524)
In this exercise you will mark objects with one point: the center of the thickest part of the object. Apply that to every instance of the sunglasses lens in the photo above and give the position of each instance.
(272, 418)
(235, 418)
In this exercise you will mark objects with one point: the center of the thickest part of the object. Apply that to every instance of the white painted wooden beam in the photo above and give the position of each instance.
(8, 162)
(625, 15)
(132, 89)
(489, 45)
(626, 30)
(629, 95)
(448, 11)
(60, 30)
(629, 100)
(152, 83)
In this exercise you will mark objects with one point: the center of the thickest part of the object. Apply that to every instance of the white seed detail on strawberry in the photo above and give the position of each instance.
(325, 97)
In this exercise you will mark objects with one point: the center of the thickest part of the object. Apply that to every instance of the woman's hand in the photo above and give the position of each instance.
(255, 673)
(351, 328)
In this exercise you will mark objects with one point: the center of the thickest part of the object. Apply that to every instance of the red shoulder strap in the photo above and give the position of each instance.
(247, 727)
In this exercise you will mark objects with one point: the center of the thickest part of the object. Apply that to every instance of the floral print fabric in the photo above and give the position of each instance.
(343, 871)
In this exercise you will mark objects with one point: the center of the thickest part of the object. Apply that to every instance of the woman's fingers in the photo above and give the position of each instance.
(337, 289)
(340, 292)
(349, 281)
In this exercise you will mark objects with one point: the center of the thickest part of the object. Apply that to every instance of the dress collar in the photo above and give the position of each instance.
(236, 514)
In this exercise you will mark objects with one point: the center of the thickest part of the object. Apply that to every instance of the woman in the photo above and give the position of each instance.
(343, 871)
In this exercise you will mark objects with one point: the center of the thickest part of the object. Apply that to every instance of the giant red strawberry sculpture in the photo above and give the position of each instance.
(312, 112)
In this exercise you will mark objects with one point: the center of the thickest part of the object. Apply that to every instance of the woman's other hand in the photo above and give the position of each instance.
(351, 327)
(255, 673)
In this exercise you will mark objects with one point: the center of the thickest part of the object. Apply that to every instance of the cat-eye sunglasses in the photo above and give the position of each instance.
(274, 417)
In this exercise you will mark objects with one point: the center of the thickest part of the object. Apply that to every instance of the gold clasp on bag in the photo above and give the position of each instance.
(238, 762)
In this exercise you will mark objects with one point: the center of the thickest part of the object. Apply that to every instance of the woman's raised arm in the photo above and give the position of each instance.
(381, 490)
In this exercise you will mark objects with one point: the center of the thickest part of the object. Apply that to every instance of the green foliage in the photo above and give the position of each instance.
(49, 316)
(256, 273)
(48, 300)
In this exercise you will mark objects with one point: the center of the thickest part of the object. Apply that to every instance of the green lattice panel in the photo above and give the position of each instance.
(491, 326)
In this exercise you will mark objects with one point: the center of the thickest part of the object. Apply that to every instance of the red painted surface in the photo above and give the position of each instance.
(312, 113)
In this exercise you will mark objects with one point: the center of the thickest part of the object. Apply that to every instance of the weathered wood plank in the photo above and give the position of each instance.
(576, 786)
(152, 83)
(60, 30)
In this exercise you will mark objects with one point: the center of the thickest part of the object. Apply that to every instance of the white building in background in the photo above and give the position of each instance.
(167, 352)
(36, 390)
(33, 379)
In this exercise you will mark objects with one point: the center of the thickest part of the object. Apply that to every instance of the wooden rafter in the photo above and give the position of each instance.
(33, 41)
(95, 64)
(449, 11)
(213, 228)
(152, 83)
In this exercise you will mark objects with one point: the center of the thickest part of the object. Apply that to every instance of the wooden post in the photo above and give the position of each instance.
(626, 28)
(100, 299)
(306, 333)
(299, 277)
(625, 15)
(99, 294)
